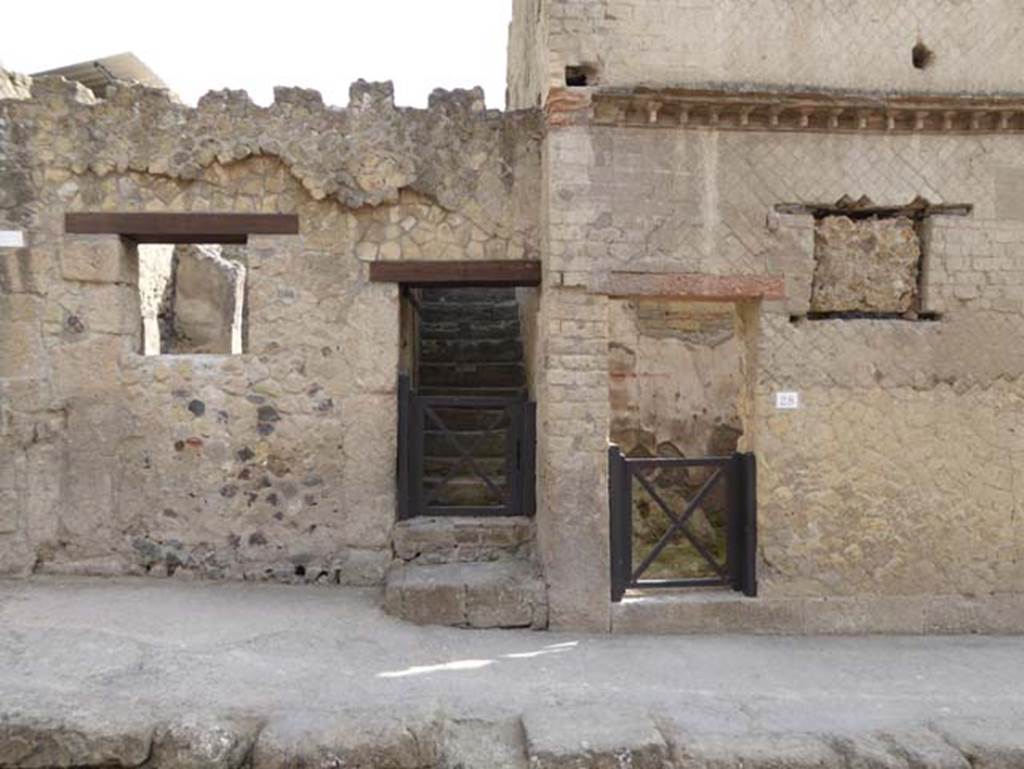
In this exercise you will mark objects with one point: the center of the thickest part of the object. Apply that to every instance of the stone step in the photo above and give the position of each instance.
(479, 595)
(439, 466)
(467, 294)
(460, 539)
(475, 313)
(481, 307)
(470, 350)
(472, 375)
(462, 419)
(465, 490)
(481, 392)
(478, 443)
(455, 329)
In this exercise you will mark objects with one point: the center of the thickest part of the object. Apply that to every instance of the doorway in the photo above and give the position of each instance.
(466, 422)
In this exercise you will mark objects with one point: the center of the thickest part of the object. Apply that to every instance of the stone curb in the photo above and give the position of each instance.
(545, 738)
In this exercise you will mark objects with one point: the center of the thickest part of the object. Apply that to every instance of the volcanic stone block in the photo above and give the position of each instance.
(584, 737)
(98, 259)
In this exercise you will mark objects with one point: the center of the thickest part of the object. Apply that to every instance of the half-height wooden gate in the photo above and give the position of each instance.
(465, 455)
(737, 473)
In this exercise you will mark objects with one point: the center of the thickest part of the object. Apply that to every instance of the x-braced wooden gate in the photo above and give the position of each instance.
(492, 460)
(737, 472)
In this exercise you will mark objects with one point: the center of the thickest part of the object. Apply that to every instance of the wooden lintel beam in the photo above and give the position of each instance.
(495, 272)
(180, 227)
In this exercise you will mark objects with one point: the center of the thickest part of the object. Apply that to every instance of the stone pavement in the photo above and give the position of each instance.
(120, 673)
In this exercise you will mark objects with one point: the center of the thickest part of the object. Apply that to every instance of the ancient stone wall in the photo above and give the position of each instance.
(896, 476)
(276, 463)
(863, 44)
(527, 70)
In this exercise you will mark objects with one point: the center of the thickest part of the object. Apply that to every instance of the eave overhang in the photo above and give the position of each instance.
(728, 109)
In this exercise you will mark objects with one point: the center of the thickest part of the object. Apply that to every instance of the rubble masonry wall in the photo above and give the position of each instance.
(277, 463)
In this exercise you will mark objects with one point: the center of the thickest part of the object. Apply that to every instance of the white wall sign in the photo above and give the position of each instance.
(12, 239)
(787, 400)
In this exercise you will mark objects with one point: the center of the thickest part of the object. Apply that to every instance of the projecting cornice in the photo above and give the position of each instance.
(763, 110)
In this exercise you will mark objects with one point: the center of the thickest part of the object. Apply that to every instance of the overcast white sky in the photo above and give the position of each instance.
(199, 45)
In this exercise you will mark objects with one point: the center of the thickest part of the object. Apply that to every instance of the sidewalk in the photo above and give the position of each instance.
(120, 672)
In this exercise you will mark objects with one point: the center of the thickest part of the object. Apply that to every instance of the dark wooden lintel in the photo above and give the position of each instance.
(495, 272)
(915, 210)
(180, 227)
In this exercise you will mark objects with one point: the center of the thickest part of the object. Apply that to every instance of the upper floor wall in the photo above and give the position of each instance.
(962, 45)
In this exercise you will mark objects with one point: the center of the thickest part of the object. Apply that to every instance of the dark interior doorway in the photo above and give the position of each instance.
(467, 423)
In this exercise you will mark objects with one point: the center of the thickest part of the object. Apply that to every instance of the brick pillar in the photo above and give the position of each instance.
(572, 441)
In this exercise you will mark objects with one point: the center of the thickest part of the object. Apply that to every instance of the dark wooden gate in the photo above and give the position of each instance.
(737, 473)
(503, 477)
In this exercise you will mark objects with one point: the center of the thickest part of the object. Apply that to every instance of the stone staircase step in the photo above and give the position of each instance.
(502, 350)
(494, 313)
(459, 539)
(439, 466)
(481, 392)
(465, 490)
(480, 443)
(460, 419)
(463, 329)
(468, 294)
(480, 310)
(472, 374)
(480, 595)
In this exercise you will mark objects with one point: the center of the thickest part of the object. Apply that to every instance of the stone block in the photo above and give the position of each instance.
(368, 429)
(203, 743)
(21, 352)
(9, 511)
(24, 270)
(353, 739)
(868, 265)
(754, 751)
(98, 308)
(87, 740)
(492, 594)
(425, 597)
(924, 748)
(20, 308)
(1000, 613)
(856, 614)
(98, 259)
(705, 611)
(471, 744)
(362, 567)
(996, 743)
(866, 751)
(593, 738)
(88, 366)
(448, 539)
(514, 598)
